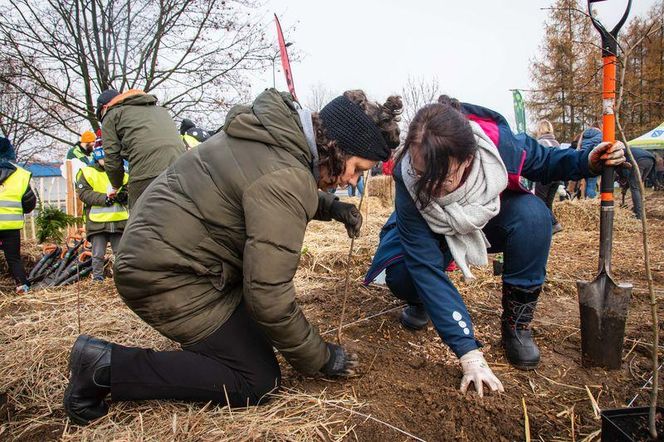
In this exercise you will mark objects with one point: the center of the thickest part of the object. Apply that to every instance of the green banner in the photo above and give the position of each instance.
(519, 111)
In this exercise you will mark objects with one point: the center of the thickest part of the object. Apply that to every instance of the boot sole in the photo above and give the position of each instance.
(74, 362)
(412, 327)
(525, 367)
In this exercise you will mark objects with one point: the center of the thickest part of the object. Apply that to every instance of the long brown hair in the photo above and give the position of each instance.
(439, 131)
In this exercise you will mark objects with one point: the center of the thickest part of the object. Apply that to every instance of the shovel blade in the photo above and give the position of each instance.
(603, 306)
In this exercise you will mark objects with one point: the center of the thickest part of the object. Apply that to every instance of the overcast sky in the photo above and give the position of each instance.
(477, 50)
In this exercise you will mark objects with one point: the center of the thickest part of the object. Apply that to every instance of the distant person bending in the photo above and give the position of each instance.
(646, 162)
(135, 129)
(16, 199)
(547, 192)
(659, 171)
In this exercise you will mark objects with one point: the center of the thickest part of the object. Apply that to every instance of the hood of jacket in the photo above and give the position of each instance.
(132, 97)
(6, 169)
(591, 137)
(7, 152)
(272, 119)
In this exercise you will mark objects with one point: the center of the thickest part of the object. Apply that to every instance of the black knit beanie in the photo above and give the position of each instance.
(186, 125)
(353, 130)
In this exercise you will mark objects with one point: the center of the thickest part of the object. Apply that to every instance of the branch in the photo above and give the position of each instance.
(646, 258)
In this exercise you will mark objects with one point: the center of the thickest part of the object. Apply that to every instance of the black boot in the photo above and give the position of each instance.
(518, 310)
(89, 380)
(414, 317)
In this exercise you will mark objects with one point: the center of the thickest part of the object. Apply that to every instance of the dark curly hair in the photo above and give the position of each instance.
(386, 116)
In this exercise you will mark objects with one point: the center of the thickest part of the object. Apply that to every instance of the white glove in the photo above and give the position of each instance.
(477, 371)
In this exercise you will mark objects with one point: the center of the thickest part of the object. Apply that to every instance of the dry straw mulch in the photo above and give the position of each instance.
(36, 334)
(37, 331)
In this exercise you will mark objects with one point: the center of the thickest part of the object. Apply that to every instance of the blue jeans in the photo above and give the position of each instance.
(522, 231)
(591, 187)
(359, 187)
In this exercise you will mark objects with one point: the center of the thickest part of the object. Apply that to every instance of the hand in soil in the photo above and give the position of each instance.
(477, 371)
(341, 363)
(349, 215)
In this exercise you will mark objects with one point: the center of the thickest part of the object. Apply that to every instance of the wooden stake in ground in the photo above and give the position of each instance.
(349, 263)
(526, 423)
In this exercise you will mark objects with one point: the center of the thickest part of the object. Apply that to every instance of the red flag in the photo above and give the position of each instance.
(285, 63)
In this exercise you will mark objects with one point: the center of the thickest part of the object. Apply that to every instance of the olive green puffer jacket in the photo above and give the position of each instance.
(226, 221)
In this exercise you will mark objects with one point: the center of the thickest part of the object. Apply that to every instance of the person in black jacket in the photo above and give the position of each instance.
(16, 199)
(645, 160)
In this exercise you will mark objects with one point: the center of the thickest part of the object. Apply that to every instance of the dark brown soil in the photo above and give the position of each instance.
(410, 379)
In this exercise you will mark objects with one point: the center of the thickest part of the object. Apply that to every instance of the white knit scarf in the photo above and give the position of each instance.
(462, 214)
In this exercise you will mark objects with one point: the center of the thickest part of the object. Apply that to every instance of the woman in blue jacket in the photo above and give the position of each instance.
(458, 195)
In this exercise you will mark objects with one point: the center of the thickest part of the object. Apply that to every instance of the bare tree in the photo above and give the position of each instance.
(19, 117)
(195, 55)
(319, 96)
(643, 84)
(567, 71)
(416, 93)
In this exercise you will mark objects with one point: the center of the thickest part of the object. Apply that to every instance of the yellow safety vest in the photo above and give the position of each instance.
(11, 194)
(100, 183)
(190, 141)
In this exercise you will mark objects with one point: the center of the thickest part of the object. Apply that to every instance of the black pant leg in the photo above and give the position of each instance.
(236, 361)
(10, 241)
(542, 191)
(550, 198)
(547, 192)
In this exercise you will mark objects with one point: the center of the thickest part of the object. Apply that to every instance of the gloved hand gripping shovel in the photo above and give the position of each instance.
(604, 303)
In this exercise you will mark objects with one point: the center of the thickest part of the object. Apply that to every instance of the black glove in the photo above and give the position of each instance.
(349, 215)
(340, 362)
(108, 202)
(122, 196)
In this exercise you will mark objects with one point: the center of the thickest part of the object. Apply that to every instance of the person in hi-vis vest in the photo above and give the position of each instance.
(105, 214)
(192, 135)
(16, 199)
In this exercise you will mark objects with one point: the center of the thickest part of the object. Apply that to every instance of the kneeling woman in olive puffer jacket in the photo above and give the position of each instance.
(211, 249)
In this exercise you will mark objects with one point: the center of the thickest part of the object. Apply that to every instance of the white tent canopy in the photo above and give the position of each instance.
(653, 140)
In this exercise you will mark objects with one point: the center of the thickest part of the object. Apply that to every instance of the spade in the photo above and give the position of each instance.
(603, 302)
